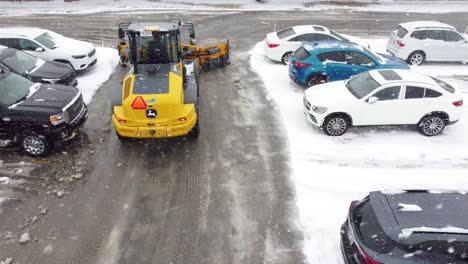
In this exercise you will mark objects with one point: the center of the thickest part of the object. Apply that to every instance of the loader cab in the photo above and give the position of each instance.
(151, 45)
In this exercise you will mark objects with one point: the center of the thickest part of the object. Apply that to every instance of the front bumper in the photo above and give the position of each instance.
(66, 132)
(167, 131)
(312, 117)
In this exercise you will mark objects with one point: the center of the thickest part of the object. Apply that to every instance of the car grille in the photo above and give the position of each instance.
(68, 79)
(306, 104)
(92, 53)
(75, 109)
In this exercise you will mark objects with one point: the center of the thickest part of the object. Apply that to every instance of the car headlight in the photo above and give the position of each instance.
(79, 56)
(319, 109)
(57, 119)
(52, 81)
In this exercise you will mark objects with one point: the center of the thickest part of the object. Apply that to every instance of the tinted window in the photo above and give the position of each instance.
(27, 45)
(13, 89)
(452, 36)
(442, 248)
(369, 229)
(401, 31)
(20, 62)
(11, 43)
(301, 54)
(47, 40)
(356, 58)
(414, 92)
(444, 85)
(336, 56)
(285, 33)
(390, 93)
(431, 94)
(419, 34)
(338, 36)
(429, 34)
(323, 37)
(362, 85)
(304, 37)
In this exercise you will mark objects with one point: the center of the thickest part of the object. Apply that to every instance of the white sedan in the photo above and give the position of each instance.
(384, 97)
(279, 46)
(50, 46)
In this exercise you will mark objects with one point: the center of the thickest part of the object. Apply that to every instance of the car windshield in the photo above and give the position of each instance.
(338, 36)
(20, 62)
(14, 89)
(375, 56)
(47, 40)
(362, 85)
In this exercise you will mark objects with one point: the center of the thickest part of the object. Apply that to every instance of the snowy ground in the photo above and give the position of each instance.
(90, 81)
(330, 172)
(119, 6)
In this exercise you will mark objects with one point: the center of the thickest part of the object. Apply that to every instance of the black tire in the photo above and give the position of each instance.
(286, 59)
(416, 58)
(432, 125)
(121, 138)
(195, 132)
(316, 79)
(336, 125)
(35, 145)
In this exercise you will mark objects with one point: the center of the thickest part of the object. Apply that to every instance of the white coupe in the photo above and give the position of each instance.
(280, 46)
(384, 97)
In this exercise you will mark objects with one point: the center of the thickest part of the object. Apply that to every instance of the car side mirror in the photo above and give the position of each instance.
(121, 33)
(39, 49)
(372, 99)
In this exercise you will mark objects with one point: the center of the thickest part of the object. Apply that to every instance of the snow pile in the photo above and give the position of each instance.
(409, 208)
(330, 172)
(405, 233)
(142, 6)
(4, 180)
(90, 81)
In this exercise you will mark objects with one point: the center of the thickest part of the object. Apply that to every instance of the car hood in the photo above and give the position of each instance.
(73, 46)
(51, 70)
(48, 99)
(392, 62)
(329, 94)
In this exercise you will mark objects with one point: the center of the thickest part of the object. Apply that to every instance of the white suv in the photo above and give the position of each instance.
(50, 46)
(420, 41)
(384, 97)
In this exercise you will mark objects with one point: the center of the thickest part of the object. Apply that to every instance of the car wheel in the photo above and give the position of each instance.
(316, 79)
(335, 125)
(35, 145)
(416, 58)
(286, 59)
(432, 125)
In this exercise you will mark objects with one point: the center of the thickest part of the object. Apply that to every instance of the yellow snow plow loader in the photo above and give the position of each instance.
(159, 95)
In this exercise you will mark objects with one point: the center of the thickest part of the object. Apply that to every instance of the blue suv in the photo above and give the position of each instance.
(325, 61)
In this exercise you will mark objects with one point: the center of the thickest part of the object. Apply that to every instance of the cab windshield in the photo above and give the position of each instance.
(14, 89)
(20, 62)
(362, 85)
(157, 47)
(47, 40)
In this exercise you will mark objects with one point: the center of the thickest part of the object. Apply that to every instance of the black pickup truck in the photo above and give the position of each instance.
(38, 116)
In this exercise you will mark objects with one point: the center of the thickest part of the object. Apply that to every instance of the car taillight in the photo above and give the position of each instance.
(270, 45)
(458, 103)
(182, 119)
(302, 65)
(401, 44)
(139, 103)
(366, 259)
(122, 121)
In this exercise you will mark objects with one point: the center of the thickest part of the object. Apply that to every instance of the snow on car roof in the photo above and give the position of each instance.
(330, 44)
(437, 210)
(405, 76)
(28, 32)
(425, 24)
(311, 28)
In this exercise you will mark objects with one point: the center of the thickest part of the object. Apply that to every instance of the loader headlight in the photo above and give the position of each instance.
(319, 109)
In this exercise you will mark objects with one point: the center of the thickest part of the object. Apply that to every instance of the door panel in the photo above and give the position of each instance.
(385, 111)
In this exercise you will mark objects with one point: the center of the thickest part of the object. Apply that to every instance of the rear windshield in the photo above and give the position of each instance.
(401, 31)
(444, 85)
(285, 33)
(301, 54)
(438, 248)
(369, 229)
(362, 85)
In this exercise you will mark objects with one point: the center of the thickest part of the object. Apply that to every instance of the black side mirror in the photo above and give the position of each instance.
(191, 32)
(121, 33)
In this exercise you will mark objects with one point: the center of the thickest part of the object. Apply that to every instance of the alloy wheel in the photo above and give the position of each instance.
(433, 126)
(287, 58)
(417, 59)
(34, 145)
(336, 126)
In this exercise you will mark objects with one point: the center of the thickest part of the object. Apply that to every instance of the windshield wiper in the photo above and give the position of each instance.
(21, 99)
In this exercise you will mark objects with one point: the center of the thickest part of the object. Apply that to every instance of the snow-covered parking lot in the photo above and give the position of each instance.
(330, 172)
